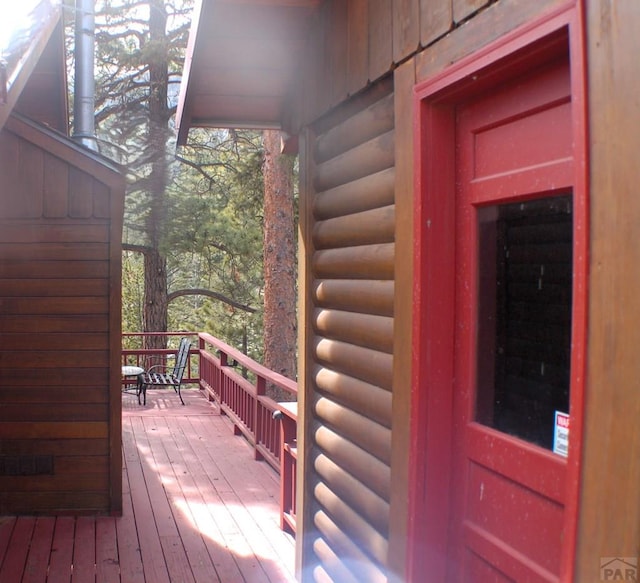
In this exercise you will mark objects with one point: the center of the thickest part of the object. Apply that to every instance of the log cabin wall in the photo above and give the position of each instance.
(351, 222)
(61, 211)
(356, 234)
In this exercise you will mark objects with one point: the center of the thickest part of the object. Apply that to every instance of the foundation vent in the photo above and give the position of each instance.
(26, 465)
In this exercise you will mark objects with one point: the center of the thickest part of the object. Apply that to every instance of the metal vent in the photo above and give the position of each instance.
(26, 465)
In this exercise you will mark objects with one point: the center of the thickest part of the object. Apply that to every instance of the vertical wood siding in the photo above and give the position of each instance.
(360, 42)
(352, 222)
(57, 276)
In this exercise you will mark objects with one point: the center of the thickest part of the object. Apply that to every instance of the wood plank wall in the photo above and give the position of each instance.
(59, 327)
(350, 305)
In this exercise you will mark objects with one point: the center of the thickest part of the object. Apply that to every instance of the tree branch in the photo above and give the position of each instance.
(210, 294)
(135, 248)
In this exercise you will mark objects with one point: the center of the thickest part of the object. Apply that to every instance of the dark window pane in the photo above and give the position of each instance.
(524, 316)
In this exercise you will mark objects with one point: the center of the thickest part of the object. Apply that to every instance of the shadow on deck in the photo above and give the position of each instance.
(196, 508)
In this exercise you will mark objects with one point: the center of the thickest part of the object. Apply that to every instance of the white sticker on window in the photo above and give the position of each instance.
(561, 434)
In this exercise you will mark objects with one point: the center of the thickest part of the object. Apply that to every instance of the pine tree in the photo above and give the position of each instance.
(138, 63)
(279, 261)
(193, 219)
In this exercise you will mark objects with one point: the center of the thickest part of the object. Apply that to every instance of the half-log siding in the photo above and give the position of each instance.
(60, 229)
(352, 223)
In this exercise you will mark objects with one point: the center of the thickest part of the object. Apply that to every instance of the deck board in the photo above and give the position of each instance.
(62, 550)
(84, 550)
(38, 558)
(107, 561)
(7, 525)
(196, 508)
(15, 559)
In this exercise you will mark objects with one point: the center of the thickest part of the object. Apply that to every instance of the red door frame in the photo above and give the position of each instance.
(434, 277)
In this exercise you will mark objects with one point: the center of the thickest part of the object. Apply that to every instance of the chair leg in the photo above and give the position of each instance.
(180, 394)
(139, 387)
(142, 390)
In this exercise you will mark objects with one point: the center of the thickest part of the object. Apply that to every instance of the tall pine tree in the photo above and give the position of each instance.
(194, 220)
(279, 260)
(139, 60)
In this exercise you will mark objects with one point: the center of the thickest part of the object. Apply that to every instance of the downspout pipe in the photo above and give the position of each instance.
(84, 82)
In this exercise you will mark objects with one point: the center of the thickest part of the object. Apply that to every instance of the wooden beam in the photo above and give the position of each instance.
(404, 81)
(609, 516)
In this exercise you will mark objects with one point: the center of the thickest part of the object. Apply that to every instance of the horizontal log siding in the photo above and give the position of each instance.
(363, 160)
(370, 400)
(341, 557)
(365, 364)
(364, 262)
(357, 229)
(369, 192)
(368, 504)
(375, 438)
(352, 294)
(366, 330)
(364, 126)
(368, 297)
(361, 532)
(56, 337)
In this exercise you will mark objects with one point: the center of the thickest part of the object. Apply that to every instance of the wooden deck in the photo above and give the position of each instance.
(197, 508)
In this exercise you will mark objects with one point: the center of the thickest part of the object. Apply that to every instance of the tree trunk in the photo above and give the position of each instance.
(155, 297)
(155, 279)
(279, 263)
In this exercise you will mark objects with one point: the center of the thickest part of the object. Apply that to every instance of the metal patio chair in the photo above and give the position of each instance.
(160, 376)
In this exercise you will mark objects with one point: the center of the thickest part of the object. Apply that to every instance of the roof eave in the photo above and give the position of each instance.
(223, 104)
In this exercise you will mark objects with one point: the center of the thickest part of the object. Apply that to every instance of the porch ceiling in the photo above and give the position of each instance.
(240, 62)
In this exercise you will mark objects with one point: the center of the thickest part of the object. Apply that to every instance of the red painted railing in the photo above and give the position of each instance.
(245, 402)
(288, 416)
(269, 426)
